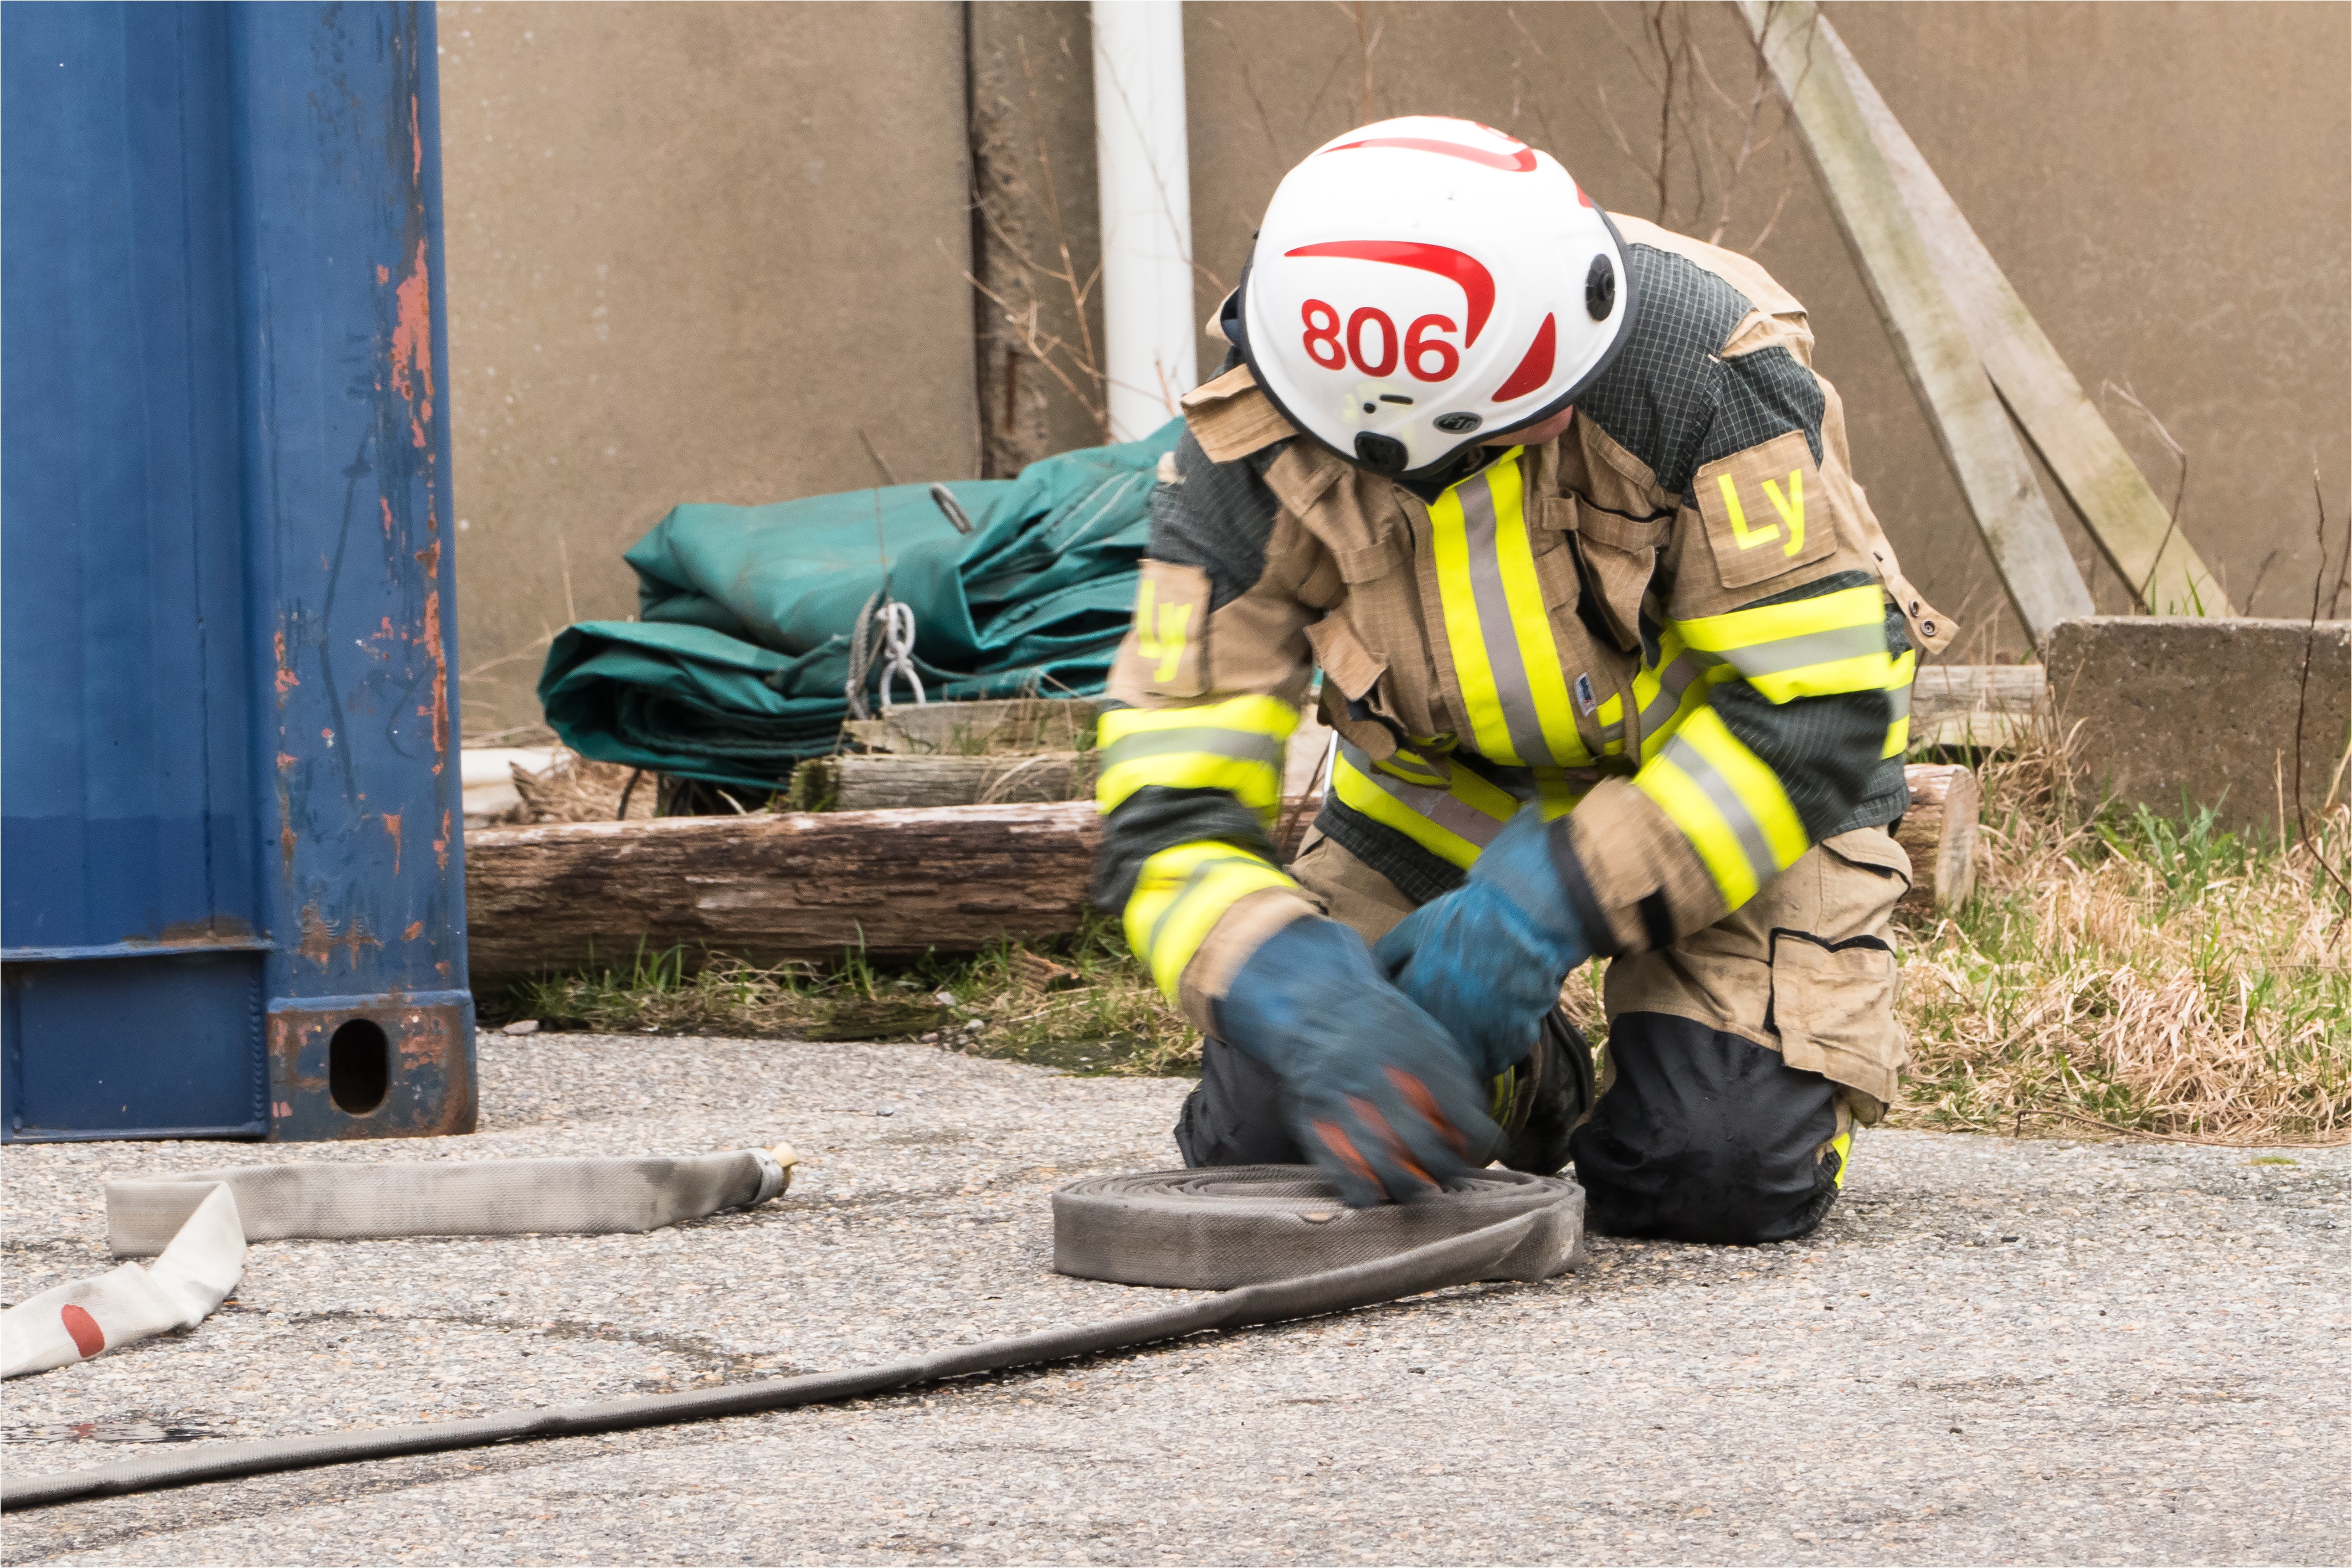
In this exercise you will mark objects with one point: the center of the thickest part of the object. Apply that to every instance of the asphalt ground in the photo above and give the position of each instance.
(1994, 1350)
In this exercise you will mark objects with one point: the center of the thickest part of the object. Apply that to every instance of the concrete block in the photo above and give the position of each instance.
(2163, 704)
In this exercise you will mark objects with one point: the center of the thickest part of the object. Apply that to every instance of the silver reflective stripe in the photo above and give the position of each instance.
(1495, 625)
(1216, 741)
(1813, 647)
(1457, 817)
(1672, 681)
(1736, 814)
(1901, 696)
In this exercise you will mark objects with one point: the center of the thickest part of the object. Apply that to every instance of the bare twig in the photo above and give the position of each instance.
(2179, 490)
(879, 466)
(2303, 696)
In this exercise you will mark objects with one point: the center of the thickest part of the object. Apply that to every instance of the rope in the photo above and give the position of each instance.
(895, 650)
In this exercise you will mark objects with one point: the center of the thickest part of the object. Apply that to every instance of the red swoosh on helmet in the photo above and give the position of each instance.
(1522, 162)
(1477, 283)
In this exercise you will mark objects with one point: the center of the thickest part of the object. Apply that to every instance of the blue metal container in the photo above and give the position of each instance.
(231, 873)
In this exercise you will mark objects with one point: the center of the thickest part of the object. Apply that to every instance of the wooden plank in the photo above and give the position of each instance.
(1998, 481)
(1940, 831)
(887, 781)
(2132, 527)
(971, 729)
(1986, 705)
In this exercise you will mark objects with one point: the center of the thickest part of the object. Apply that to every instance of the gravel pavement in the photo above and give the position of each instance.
(1994, 1350)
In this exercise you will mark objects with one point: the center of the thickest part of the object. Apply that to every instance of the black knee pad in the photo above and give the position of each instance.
(1234, 1118)
(1704, 1136)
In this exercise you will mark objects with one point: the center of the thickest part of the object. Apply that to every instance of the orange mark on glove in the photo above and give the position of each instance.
(1416, 1094)
(1397, 1151)
(1337, 1142)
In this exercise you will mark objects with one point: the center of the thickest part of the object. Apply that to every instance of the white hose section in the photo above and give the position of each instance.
(199, 1223)
(1143, 157)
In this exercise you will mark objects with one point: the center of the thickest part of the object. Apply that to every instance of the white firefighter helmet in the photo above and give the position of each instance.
(1423, 283)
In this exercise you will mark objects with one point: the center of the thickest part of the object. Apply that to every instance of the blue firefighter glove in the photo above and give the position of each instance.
(1487, 960)
(1375, 1091)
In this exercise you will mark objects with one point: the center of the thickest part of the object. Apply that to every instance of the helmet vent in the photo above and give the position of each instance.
(1600, 288)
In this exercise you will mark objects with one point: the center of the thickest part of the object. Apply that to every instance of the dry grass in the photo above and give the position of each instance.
(574, 789)
(2121, 969)
(1081, 1004)
(2116, 969)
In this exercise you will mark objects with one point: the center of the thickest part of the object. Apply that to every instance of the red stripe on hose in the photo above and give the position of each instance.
(88, 1337)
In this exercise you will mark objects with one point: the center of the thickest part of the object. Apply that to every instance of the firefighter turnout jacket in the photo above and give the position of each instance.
(1679, 624)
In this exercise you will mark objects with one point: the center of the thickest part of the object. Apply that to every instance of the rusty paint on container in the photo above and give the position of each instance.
(426, 1041)
(228, 629)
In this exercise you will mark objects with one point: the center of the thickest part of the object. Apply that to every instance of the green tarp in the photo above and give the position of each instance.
(736, 665)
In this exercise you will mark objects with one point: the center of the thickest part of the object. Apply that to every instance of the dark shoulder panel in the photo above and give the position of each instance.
(1217, 517)
(1672, 401)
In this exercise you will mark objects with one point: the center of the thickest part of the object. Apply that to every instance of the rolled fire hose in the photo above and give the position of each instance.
(1247, 1226)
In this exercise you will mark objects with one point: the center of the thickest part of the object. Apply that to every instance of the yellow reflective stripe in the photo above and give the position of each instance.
(1557, 797)
(1454, 824)
(1547, 675)
(1898, 734)
(1498, 627)
(1753, 781)
(1611, 717)
(1843, 1144)
(1770, 623)
(1688, 807)
(1728, 803)
(1813, 647)
(1234, 745)
(1180, 896)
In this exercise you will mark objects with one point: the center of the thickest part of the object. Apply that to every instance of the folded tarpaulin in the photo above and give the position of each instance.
(736, 665)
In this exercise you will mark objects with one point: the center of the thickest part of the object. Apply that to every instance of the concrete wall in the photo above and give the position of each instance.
(694, 251)
(2169, 186)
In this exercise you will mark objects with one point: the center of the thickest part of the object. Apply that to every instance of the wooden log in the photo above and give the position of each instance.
(772, 887)
(803, 885)
(889, 781)
(1939, 832)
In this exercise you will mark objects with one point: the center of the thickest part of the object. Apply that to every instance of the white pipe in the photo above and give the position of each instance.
(1141, 153)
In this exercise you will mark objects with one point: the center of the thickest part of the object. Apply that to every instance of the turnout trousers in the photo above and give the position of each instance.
(1738, 1064)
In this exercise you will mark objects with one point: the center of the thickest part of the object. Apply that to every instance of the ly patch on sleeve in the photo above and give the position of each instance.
(1767, 511)
(1163, 654)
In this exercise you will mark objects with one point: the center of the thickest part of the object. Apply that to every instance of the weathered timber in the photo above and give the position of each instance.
(974, 729)
(2132, 527)
(889, 782)
(813, 885)
(1987, 705)
(1900, 272)
(1939, 833)
(772, 887)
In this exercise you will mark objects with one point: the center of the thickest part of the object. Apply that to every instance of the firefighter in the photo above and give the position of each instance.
(1619, 662)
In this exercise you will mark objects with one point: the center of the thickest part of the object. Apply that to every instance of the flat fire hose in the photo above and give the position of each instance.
(1236, 1231)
